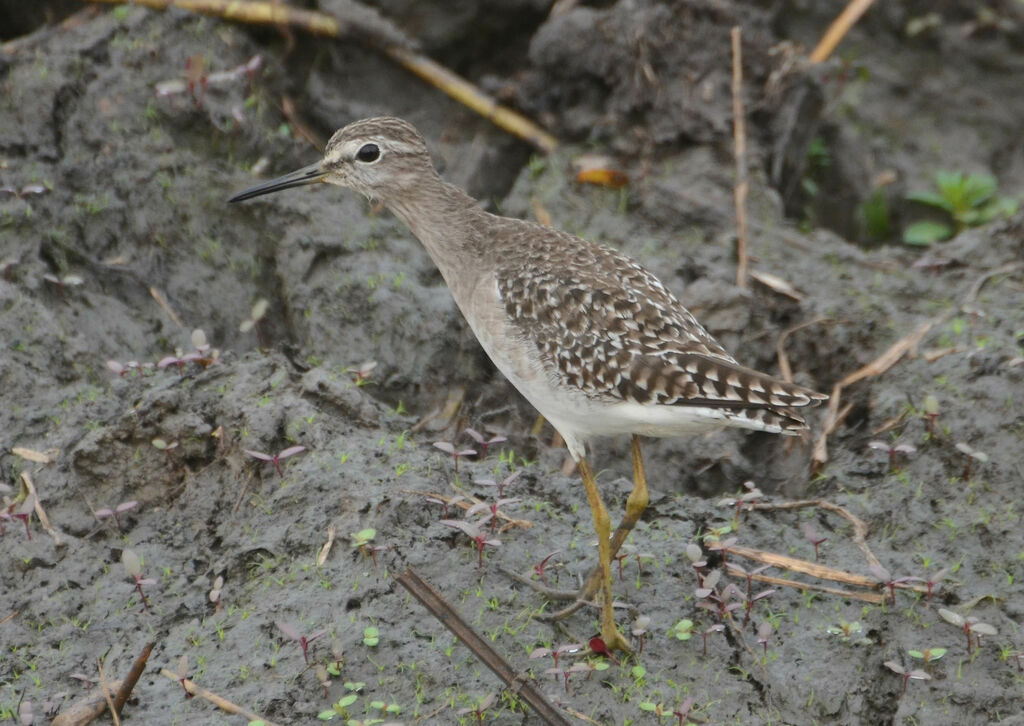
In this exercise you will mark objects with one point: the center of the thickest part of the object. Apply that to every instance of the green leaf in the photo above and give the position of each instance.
(977, 189)
(915, 654)
(932, 199)
(923, 234)
(936, 653)
(326, 715)
(347, 700)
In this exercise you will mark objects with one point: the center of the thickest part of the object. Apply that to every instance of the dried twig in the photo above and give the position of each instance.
(124, 691)
(516, 682)
(86, 709)
(839, 28)
(316, 23)
(222, 703)
(26, 481)
(739, 133)
(107, 694)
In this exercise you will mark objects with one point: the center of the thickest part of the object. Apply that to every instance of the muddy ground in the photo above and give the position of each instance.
(115, 174)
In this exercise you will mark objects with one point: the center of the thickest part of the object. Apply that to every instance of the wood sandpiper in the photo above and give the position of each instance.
(593, 340)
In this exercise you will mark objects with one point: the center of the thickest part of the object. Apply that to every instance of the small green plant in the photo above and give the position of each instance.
(928, 655)
(850, 633)
(683, 630)
(917, 675)
(371, 636)
(969, 200)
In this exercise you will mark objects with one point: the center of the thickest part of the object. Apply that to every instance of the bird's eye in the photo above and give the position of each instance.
(369, 153)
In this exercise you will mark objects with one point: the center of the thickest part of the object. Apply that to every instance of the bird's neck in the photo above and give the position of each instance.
(442, 218)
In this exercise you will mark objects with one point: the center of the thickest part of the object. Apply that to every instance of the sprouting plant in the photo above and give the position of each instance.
(165, 446)
(927, 655)
(503, 484)
(362, 372)
(850, 633)
(640, 627)
(556, 652)
(362, 539)
(971, 626)
(371, 636)
(478, 710)
(973, 455)
(482, 442)
(277, 458)
(340, 707)
(492, 509)
(19, 510)
(813, 537)
(930, 409)
(182, 672)
(751, 496)
(87, 681)
(886, 580)
(917, 675)
(541, 567)
(303, 640)
(217, 592)
(258, 312)
(764, 634)
(474, 533)
(123, 369)
(203, 355)
(716, 628)
(720, 545)
(968, 200)
(932, 582)
(682, 630)
(446, 503)
(683, 710)
(697, 560)
(121, 508)
(64, 282)
(456, 454)
(599, 647)
(133, 566)
(893, 451)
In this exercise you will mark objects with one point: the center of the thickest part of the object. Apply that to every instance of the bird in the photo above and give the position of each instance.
(593, 340)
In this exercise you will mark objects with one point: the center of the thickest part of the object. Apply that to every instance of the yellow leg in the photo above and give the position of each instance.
(635, 506)
(613, 639)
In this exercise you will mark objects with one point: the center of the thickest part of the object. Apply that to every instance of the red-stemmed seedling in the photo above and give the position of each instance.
(932, 583)
(721, 545)
(973, 455)
(87, 681)
(684, 710)
(480, 538)
(599, 647)
(813, 537)
(123, 369)
(259, 311)
(886, 580)
(556, 653)
(63, 283)
(165, 446)
(121, 508)
(930, 407)
(734, 569)
(893, 452)
(541, 567)
(362, 372)
(750, 497)
(640, 627)
(22, 511)
(446, 503)
(277, 458)
(492, 510)
(750, 601)
(503, 484)
(182, 673)
(133, 566)
(697, 561)
(24, 191)
(764, 634)
(971, 626)
(484, 443)
(716, 628)
(303, 641)
(456, 454)
(917, 674)
(482, 705)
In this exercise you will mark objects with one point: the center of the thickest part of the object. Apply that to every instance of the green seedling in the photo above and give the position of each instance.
(850, 633)
(371, 636)
(683, 630)
(969, 200)
(928, 655)
(339, 707)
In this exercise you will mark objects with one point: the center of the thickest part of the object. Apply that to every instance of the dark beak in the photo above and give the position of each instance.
(306, 175)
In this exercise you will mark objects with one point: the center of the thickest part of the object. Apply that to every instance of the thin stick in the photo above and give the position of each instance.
(873, 597)
(222, 703)
(85, 709)
(446, 614)
(138, 668)
(739, 135)
(315, 23)
(839, 28)
(106, 693)
(814, 569)
(40, 512)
